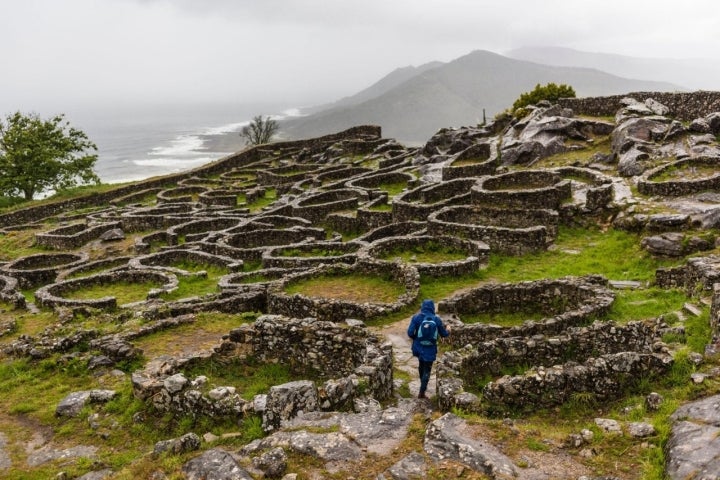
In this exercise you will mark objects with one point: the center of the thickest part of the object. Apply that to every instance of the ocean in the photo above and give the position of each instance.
(141, 142)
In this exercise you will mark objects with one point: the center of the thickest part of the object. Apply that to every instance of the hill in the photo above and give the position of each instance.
(697, 73)
(455, 94)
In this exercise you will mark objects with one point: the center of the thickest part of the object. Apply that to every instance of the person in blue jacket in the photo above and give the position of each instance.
(425, 337)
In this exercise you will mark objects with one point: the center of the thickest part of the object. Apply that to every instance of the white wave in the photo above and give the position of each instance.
(222, 129)
(175, 163)
(182, 145)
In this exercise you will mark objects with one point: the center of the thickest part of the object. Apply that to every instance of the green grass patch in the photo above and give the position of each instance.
(428, 252)
(578, 251)
(685, 172)
(353, 287)
(504, 319)
(250, 377)
(196, 285)
(393, 188)
(269, 197)
(124, 292)
(18, 244)
(383, 207)
(600, 145)
(312, 252)
(645, 303)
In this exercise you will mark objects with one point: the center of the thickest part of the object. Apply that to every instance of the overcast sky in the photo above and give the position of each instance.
(95, 52)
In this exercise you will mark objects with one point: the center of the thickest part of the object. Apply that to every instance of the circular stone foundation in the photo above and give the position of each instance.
(537, 189)
(306, 255)
(41, 268)
(55, 295)
(509, 231)
(325, 291)
(432, 256)
(683, 177)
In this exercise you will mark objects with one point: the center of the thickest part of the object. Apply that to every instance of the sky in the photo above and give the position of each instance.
(62, 53)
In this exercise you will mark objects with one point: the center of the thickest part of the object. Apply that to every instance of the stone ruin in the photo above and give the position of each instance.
(271, 217)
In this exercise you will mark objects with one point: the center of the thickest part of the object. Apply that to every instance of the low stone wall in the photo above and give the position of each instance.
(197, 229)
(41, 268)
(52, 296)
(257, 279)
(337, 310)
(422, 201)
(74, 236)
(355, 360)
(221, 197)
(681, 186)
(618, 355)
(606, 377)
(536, 189)
(163, 261)
(487, 157)
(341, 173)
(698, 273)
(250, 245)
(513, 232)
(683, 105)
(217, 167)
(156, 218)
(105, 264)
(184, 194)
(9, 292)
(286, 174)
(316, 207)
(307, 255)
(568, 302)
(599, 195)
(377, 180)
(477, 253)
(396, 229)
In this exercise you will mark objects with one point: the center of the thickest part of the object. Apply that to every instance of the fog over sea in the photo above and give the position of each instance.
(135, 143)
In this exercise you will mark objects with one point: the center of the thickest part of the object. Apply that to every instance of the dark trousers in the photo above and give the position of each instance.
(424, 369)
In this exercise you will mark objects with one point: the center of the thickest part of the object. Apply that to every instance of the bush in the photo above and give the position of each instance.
(551, 92)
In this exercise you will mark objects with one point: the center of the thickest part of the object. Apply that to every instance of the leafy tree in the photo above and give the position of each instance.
(37, 154)
(551, 92)
(259, 131)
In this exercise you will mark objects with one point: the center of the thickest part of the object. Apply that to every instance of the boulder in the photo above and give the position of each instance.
(286, 401)
(608, 425)
(113, 235)
(640, 429)
(653, 401)
(448, 437)
(699, 125)
(73, 403)
(409, 467)
(669, 244)
(176, 446)
(273, 463)
(713, 121)
(693, 448)
(214, 464)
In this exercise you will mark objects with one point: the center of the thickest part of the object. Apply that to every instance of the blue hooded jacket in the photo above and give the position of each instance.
(426, 353)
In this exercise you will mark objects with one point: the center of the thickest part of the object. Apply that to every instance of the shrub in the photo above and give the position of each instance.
(551, 92)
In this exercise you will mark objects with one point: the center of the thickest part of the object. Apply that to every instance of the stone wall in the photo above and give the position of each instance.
(683, 105)
(537, 189)
(41, 268)
(568, 302)
(647, 185)
(73, 236)
(245, 157)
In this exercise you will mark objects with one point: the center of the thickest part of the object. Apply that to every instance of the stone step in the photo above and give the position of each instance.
(692, 309)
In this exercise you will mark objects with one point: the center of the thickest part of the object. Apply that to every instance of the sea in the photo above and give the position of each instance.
(135, 143)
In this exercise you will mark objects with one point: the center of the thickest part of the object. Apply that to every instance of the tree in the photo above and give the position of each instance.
(37, 154)
(259, 131)
(551, 92)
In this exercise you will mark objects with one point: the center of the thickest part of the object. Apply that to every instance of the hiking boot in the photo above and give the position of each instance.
(421, 395)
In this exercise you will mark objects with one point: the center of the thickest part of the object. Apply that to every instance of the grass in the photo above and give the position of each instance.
(124, 292)
(429, 252)
(686, 172)
(269, 197)
(599, 145)
(580, 251)
(18, 244)
(504, 319)
(353, 287)
(310, 253)
(249, 377)
(205, 332)
(383, 207)
(645, 303)
(393, 188)
(468, 161)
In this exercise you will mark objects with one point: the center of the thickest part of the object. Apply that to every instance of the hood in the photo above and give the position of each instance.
(428, 307)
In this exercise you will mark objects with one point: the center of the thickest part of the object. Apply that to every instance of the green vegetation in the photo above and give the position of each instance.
(393, 188)
(583, 155)
(37, 155)
(196, 285)
(686, 172)
(311, 252)
(250, 377)
(124, 292)
(551, 92)
(269, 197)
(354, 287)
(504, 319)
(428, 252)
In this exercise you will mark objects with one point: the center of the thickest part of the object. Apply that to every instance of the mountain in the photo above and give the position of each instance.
(454, 94)
(693, 74)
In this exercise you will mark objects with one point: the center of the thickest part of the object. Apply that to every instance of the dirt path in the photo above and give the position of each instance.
(396, 333)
